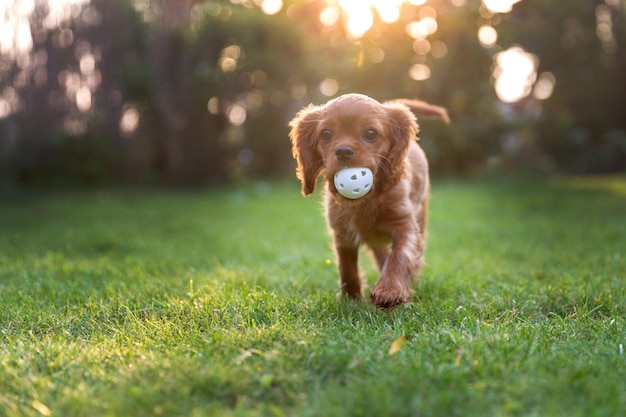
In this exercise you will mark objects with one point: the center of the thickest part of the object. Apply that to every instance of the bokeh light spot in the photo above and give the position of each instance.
(421, 46)
(419, 72)
(500, 6)
(487, 36)
(129, 121)
(213, 105)
(237, 115)
(87, 64)
(271, 7)
(515, 73)
(83, 98)
(376, 55)
(438, 49)
(389, 11)
(329, 87)
(229, 57)
(329, 16)
(544, 86)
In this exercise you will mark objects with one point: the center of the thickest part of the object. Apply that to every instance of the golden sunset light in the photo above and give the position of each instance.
(500, 6)
(227, 207)
(514, 70)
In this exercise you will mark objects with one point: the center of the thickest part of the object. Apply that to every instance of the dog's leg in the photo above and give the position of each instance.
(380, 256)
(402, 266)
(347, 257)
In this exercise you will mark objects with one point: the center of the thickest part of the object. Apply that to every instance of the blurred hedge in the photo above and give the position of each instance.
(194, 70)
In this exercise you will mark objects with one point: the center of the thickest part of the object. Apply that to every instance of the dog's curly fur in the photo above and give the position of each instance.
(355, 130)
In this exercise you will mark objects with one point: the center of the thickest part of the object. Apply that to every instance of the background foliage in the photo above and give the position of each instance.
(207, 88)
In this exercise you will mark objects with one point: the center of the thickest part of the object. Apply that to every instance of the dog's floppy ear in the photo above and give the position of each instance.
(402, 130)
(303, 137)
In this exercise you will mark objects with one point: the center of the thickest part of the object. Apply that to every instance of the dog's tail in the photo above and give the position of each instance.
(421, 108)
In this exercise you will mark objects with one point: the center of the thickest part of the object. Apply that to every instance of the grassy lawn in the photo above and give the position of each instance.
(223, 303)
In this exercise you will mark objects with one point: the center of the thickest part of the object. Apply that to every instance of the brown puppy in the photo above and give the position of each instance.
(354, 130)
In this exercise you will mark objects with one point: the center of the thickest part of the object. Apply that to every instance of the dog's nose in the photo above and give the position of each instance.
(344, 153)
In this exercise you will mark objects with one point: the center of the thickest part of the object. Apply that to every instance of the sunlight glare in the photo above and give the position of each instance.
(271, 7)
(359, 14)
(389, 11)
(15, 34)
(24, 40)
(431, 25)
(422, 28)
(416, 30)
(500, 6)
(329, 16)
(359, 23)
(515, 73)
(359, 18)
(60, 11)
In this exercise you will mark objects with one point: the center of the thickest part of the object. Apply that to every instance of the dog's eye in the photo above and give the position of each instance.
(326, 135)
(370, 135)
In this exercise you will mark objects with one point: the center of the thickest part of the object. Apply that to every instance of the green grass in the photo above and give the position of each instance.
(223, 303)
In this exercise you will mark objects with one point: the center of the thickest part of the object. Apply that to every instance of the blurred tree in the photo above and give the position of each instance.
(71, 90)
(193, 91)
(583, 124)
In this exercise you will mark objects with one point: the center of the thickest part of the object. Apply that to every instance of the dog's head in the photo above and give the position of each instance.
(352, 130)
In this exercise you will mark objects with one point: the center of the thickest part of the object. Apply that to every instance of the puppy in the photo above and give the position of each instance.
(355, 130)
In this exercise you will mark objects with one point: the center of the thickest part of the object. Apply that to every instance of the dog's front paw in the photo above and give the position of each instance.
(388, 296)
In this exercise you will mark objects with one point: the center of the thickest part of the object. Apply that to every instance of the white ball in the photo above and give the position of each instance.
(354, 183)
